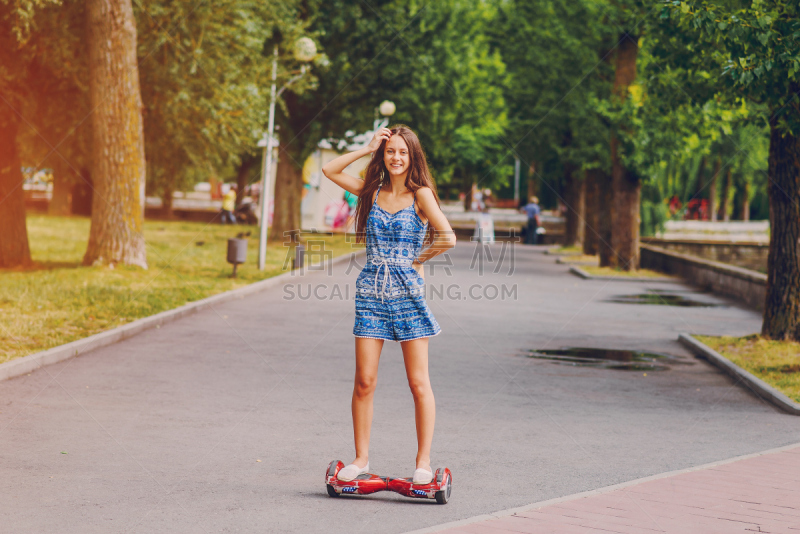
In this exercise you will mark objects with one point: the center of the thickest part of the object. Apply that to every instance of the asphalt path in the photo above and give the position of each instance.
(225, 421)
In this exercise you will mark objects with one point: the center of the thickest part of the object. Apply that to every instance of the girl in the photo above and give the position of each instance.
(398, 210)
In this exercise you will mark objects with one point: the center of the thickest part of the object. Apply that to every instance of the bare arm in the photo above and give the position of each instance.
(334, 169)
(443, 236)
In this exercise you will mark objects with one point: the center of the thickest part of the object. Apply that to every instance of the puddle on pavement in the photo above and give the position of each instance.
(663, 298)
(619, 360)
(693, 291)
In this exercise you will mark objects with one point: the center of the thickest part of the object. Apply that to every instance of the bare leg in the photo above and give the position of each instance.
(415, 356)
(368, 355)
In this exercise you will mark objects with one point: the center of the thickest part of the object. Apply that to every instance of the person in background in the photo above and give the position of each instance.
(352, 202)
(228, 205)
(477, 199)
(533, 211)
(487, 200)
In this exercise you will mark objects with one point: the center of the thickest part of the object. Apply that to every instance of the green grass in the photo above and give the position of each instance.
(565, 250)
(59, 300)
(775, 362)
(613, 271)
(581, 259)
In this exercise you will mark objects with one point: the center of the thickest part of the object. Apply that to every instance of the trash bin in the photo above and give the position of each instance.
(237, 252)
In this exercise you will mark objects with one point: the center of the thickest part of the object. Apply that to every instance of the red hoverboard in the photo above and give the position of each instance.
(438, 488)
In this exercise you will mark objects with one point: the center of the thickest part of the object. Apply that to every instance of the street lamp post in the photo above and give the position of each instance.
(266, 169)
(304, 50)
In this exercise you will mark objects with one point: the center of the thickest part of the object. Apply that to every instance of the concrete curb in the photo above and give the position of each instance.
(564, 260)
(586, 276)
(756, 385)
(32, 362)
(599, 491)
(551, 251)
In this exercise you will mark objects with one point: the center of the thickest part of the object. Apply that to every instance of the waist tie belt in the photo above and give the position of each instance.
(384, 262)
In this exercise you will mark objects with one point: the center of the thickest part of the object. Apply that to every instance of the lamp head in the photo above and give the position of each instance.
(304, 49)
(387, 108)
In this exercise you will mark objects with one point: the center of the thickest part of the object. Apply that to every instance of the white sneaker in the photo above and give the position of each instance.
(422, 477)
(351, 472)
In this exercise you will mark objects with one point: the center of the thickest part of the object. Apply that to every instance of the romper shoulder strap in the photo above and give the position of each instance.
(376, 194)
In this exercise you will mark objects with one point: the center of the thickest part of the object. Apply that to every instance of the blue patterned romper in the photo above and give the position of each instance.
(390, 295)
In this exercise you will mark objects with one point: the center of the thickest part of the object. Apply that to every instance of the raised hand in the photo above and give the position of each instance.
(380, 136)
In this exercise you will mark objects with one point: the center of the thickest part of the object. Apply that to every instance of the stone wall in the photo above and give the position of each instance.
(750, 255)
(743, 285)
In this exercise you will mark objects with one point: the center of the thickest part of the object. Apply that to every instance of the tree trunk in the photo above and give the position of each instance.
(533, 190)
(214, 182)
(61, 202)
(14, 250)
(712, 191)
(83, 194)
(574, 199)
(625, 229)
(605, 193)
(288, 194)
(724, 212)
(591, 211)
(467, 192)
(698, 180)
(118, 163)
(167, 208)
(626, 184)
(605, 219)
(243, 176)
(782, 306)
(746, 202)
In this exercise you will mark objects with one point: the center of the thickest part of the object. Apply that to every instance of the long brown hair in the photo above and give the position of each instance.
(418, 176)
